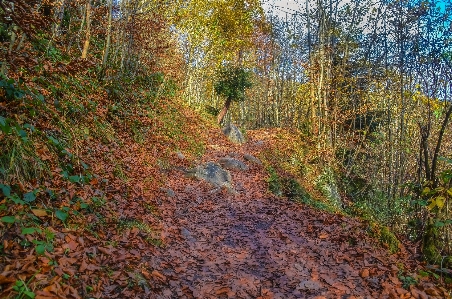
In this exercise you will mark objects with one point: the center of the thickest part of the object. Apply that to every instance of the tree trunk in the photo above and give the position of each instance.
(438, 146)
(223, 111)
(108, 41)
(88, 30)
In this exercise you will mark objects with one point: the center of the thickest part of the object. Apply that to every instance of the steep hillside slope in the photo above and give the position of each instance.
(78, 162)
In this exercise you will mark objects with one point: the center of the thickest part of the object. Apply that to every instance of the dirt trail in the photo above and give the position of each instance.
(254, 245)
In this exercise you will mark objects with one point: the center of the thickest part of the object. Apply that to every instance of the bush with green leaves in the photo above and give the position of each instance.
(232, 83)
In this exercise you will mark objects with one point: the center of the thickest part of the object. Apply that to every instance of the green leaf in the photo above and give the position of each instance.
(6, 190)
(31, 127)
(426, 191)
(449, 191)
(440, 200)
(61, 215)
(30, 196)
(16, 199)
(40, 97)
(65, 174)
(439, 224)
(22, 133)
(40, 249)
(444, 159)
(30, 294)
(423, 273)
(8, 219)
(53, 140)
(29, 230)
(74, 179)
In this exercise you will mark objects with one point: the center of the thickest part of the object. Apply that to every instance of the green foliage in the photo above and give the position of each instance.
(212, 110)
(384, 235)
(23, 290)
(431, 244)
(119, 173)
(47, 47)
(4, 34)
(157, 85)
(104, 130)
(139, 131)
(62, 214)
(274, 182)
(291, 188)
(407, 280)
(25, 199)
(18, 159)
(232, 83)
(326, 184)
(8, 219)
(11, 89)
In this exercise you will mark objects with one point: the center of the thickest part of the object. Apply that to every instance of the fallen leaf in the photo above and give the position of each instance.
(6, 280)
(39, 212)
(158, 275)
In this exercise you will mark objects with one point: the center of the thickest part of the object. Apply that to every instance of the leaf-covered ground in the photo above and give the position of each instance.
(254, 245)
(151, 232)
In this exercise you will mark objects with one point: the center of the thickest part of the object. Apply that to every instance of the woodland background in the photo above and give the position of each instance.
(364, 87)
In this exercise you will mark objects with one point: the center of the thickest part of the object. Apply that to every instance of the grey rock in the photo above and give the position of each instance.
(252, 159)
(186, 233)
(231, 163)
(309, 285)
(180, 155)
(233, 133)
(169, 192)
(212, 173)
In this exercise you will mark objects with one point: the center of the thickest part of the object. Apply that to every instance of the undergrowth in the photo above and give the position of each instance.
(289, 187)
(72, 151)
(288, 164)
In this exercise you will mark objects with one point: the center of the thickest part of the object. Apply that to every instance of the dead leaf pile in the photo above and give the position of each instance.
(254, 245)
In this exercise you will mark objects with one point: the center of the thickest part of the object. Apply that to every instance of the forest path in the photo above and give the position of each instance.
(254, 245)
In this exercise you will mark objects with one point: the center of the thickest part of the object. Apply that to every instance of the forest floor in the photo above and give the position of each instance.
(252, 244)
(187, 239)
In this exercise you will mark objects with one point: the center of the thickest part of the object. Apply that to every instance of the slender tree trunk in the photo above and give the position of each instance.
(223, 111)
(108, 41)
(88, 30)
(438, 145)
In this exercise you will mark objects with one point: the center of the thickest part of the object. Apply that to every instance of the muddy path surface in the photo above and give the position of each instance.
(251, 244)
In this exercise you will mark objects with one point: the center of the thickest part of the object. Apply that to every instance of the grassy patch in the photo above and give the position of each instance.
(19, 161)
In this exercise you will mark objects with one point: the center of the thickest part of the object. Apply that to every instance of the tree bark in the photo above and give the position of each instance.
(223, 111)
(108, 41)
(438, 145)
(88, 30)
